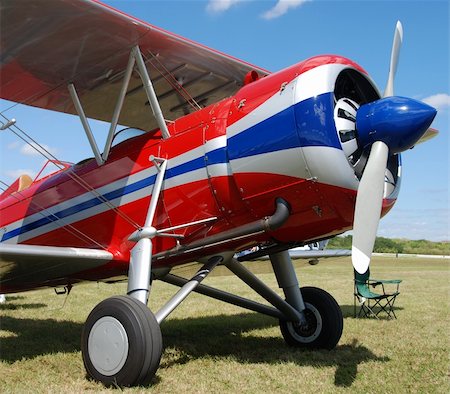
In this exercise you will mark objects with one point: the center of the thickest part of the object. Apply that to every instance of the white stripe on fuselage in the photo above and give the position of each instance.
(320, 160)
(283, 162)
(314, 82)
(317, 81)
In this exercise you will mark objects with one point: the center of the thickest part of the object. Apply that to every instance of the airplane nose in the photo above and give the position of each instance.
(399, 122)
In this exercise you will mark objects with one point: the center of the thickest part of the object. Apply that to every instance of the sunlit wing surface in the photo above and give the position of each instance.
(16, 261)
(319, 254)
(300, 253)
(88, 44)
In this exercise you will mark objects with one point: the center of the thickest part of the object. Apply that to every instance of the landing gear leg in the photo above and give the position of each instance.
(287, 279)
(121, 341)
(322, 322)
(139, 271)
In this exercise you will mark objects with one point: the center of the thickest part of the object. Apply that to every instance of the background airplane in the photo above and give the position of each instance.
(233, 157)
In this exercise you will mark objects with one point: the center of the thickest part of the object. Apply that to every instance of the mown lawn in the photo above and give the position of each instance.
(212, 347)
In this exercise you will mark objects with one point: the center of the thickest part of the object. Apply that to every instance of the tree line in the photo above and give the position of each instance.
(388, 245)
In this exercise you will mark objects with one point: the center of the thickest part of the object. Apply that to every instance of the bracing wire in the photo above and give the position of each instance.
(173, 82)
(44, 211)
(49, 156)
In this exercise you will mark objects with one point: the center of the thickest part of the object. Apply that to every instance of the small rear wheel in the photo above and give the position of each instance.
(121, 343)
(324, 322)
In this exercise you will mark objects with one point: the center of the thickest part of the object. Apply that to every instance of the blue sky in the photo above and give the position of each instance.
(275, 34)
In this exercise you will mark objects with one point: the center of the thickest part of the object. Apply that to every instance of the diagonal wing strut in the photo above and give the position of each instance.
(135, 58)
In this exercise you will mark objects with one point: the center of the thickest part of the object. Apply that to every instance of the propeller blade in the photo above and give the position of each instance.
(389, 125)
(368, 206)
(395, 54)
(428, 135)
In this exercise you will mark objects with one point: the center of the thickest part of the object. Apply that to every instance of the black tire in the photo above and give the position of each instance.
(325, 322)
(124, 330)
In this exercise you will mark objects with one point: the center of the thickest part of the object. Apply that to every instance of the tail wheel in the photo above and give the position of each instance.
(324, 322)
(121, 342)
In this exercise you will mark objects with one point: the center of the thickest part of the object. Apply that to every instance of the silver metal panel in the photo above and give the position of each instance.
(319, 254)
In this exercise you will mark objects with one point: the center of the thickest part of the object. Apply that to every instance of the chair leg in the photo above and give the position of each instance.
(365, 309)
(374, 306)
(386, 305)
(392, 307)
(371, 309)
(390, 303)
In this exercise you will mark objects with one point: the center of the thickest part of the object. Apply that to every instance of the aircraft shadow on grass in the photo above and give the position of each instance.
(237, 337)
(234, 336)
(13, 307)
(30, 338)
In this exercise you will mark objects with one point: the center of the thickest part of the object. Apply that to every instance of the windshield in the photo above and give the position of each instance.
(126, 134)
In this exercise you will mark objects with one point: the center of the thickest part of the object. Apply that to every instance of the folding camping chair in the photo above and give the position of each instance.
(371, 303)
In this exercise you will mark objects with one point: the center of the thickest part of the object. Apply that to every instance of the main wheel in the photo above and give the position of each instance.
(121, 342)
(324, 322)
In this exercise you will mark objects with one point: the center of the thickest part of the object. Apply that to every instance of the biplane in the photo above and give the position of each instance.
(217, 156)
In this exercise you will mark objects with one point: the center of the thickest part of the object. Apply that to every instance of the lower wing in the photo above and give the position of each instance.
(25, 267)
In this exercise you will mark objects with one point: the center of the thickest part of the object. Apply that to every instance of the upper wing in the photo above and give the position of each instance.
(47, 45)
(28, 266)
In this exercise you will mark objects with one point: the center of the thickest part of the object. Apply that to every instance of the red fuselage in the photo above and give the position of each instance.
(274, 139)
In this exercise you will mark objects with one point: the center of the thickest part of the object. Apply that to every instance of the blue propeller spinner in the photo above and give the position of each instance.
(399, 122)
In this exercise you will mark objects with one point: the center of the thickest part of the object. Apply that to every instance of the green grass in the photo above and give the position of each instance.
(214, 347)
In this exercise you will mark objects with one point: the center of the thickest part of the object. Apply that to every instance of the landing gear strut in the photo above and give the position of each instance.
(321, 320)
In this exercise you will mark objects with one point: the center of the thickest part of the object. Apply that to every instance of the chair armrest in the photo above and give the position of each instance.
(376, 282)
(390, 282)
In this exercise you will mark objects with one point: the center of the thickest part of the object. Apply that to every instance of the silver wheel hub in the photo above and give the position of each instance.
(313, 332)
(108, 345)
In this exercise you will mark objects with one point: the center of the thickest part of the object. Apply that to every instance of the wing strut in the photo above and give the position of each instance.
(85, 123)
(141, 254)
(151, 95)
(135, 58)
(116, 114)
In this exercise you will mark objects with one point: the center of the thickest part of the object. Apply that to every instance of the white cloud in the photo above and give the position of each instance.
(417, 223)
(282, 7)
(217, 6)
(35, 150)
(439, 101)
(13, 145)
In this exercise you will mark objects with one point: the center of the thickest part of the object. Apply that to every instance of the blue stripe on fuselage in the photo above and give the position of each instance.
(217, 156)
(315, 122)
(308, 123)
(80, 207)
(214, 157)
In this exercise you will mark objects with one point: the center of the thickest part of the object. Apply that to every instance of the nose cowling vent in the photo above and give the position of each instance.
(345, 120)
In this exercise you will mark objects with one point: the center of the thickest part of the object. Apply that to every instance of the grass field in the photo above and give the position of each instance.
(212, 347)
